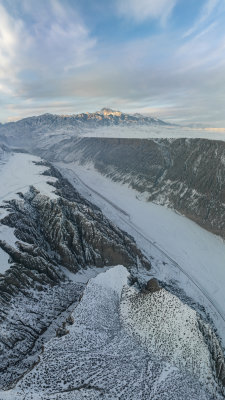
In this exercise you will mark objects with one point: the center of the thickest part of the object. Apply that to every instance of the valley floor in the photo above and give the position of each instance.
(183, 252)
(120, 339)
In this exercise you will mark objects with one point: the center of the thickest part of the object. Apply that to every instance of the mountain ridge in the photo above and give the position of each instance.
(104, 113)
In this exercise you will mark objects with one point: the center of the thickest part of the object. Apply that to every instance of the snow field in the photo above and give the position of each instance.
(18, 172)
(102, 358)
(161, 232)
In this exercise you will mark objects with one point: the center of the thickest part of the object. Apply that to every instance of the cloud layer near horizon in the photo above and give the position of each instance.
(139, 55)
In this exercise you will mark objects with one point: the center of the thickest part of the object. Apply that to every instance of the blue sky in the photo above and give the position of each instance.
(160, 57)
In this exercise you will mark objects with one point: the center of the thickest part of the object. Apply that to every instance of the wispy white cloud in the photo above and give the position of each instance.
(204, 50)
(11, 37)
(50, 61)
(51, 39)
(140, 10)
(60, 39)
(206, 13)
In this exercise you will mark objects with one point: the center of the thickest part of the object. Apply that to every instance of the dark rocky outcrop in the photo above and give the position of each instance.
(152, 285)
(215, 351)
(185, 174)
(55, 237)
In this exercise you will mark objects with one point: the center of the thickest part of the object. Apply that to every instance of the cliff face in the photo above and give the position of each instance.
(113, 335)
(60, 336)
(55, 237)
(185, 174)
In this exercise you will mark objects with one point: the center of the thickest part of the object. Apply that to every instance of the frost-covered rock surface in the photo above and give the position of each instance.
(111, 338)
(48, 129)
(104, 354)
(169, 328)
(187, 175)
(53, 235)
(176, 166)
(189, 254)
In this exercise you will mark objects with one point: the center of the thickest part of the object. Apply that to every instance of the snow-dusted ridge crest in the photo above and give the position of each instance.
(52, 233)
(107, 123)
(185, 255)
(61, 338)
(104, 115)
(187, 175)
(112, 350)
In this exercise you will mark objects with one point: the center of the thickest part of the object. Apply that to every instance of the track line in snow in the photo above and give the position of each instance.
(98, 194)
(148, 240)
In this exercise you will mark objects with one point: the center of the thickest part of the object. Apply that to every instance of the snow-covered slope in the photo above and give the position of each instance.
(187, 175)
(18, 171)
(168, 328)
(45, 236)
(38, 129)
(104, 123)
(102, 356)
(197, 252)
(176, 165)
(113, 337)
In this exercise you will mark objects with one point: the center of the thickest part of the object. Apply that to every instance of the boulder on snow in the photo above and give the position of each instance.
(152, 285)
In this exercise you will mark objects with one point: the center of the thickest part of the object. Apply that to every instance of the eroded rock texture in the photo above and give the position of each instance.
(117, 348)
(55, 237)
(185, 174)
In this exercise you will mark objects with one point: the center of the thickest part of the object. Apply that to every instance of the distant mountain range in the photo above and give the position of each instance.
(187, 173)
(77, 122)
(105, 116)
(67, 334)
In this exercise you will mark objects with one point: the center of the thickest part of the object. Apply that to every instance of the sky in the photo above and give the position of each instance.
(164, 58)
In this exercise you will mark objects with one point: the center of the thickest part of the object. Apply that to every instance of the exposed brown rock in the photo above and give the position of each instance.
(152, 285)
